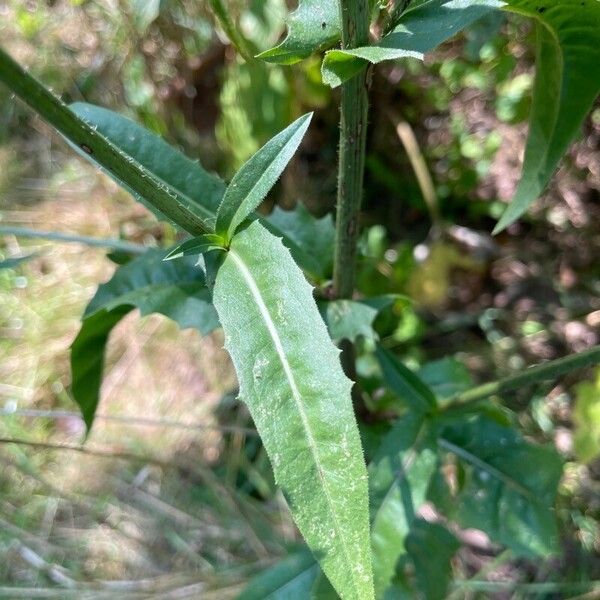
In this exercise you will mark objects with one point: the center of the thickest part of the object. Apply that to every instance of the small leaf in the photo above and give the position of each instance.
(419, 30)
(314, 26)
(405, 384)
(431, 548)
(446, 377)
(198, 245)
(175, 289)
(586, 417)
(399, 477)
(257, 176)
(293, 577)
(299, 398)
(566, 84)
(511, 486)
(310, 240)
(145, 12)
(121, 166)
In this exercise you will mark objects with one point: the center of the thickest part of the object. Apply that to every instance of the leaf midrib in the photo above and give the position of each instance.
(270, 325)
(488, 468)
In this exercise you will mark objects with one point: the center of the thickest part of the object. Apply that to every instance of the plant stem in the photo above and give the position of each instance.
(118, 245)
(235, 36)
(353, 130)
(545, 371)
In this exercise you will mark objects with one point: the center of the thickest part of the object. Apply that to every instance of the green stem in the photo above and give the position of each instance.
(353, 130)
(240, 43)
(118, 245)
(545, 371)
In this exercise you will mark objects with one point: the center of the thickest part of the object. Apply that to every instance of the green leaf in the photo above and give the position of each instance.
(511, 487)
(179, 173)
(566, 84)
(405, 384)
(314, 26)
(299, 398)
(431, 548)
(198, 245)
(399, 477)
(446, 377)
(175, 289)
(257, 176)
(121, 166)
(293, 577)
(586, 417)
(310, 240)
(419, 30)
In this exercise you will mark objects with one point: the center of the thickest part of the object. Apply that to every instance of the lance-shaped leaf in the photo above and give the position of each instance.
(198, 245)
(419, 30)
(406, 384)
(293, 577)
(511, 485)
(175, 289)
(314, 26)
(123, 167)
(399, 477)
(566, 84)
(258, 175)
(187, 177)
(299, 398)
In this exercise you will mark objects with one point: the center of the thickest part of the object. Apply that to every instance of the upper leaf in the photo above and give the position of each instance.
(566, 84)
(188, 177)
(314, 26)
(175, 289)
(290, 377)
(431, 548)
(511, 487)
(419, 30)
(122, 167)
(258, 175)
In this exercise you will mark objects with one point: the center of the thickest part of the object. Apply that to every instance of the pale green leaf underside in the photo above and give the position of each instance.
(290, 377)
(511, 487)
(257, 176)
(175, 289)
(419, 30)
(315, 25)
(567, 83)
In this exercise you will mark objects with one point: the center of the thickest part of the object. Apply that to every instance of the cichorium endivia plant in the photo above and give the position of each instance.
(358, 522)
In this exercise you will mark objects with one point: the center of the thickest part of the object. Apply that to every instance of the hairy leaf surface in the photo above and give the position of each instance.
(175, 289)
(419, 30)
(566, 84)
(257, 176)
(314, 26)
(511, 487)
(291, 379)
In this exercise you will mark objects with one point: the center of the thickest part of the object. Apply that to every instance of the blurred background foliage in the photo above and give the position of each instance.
(174, 495)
